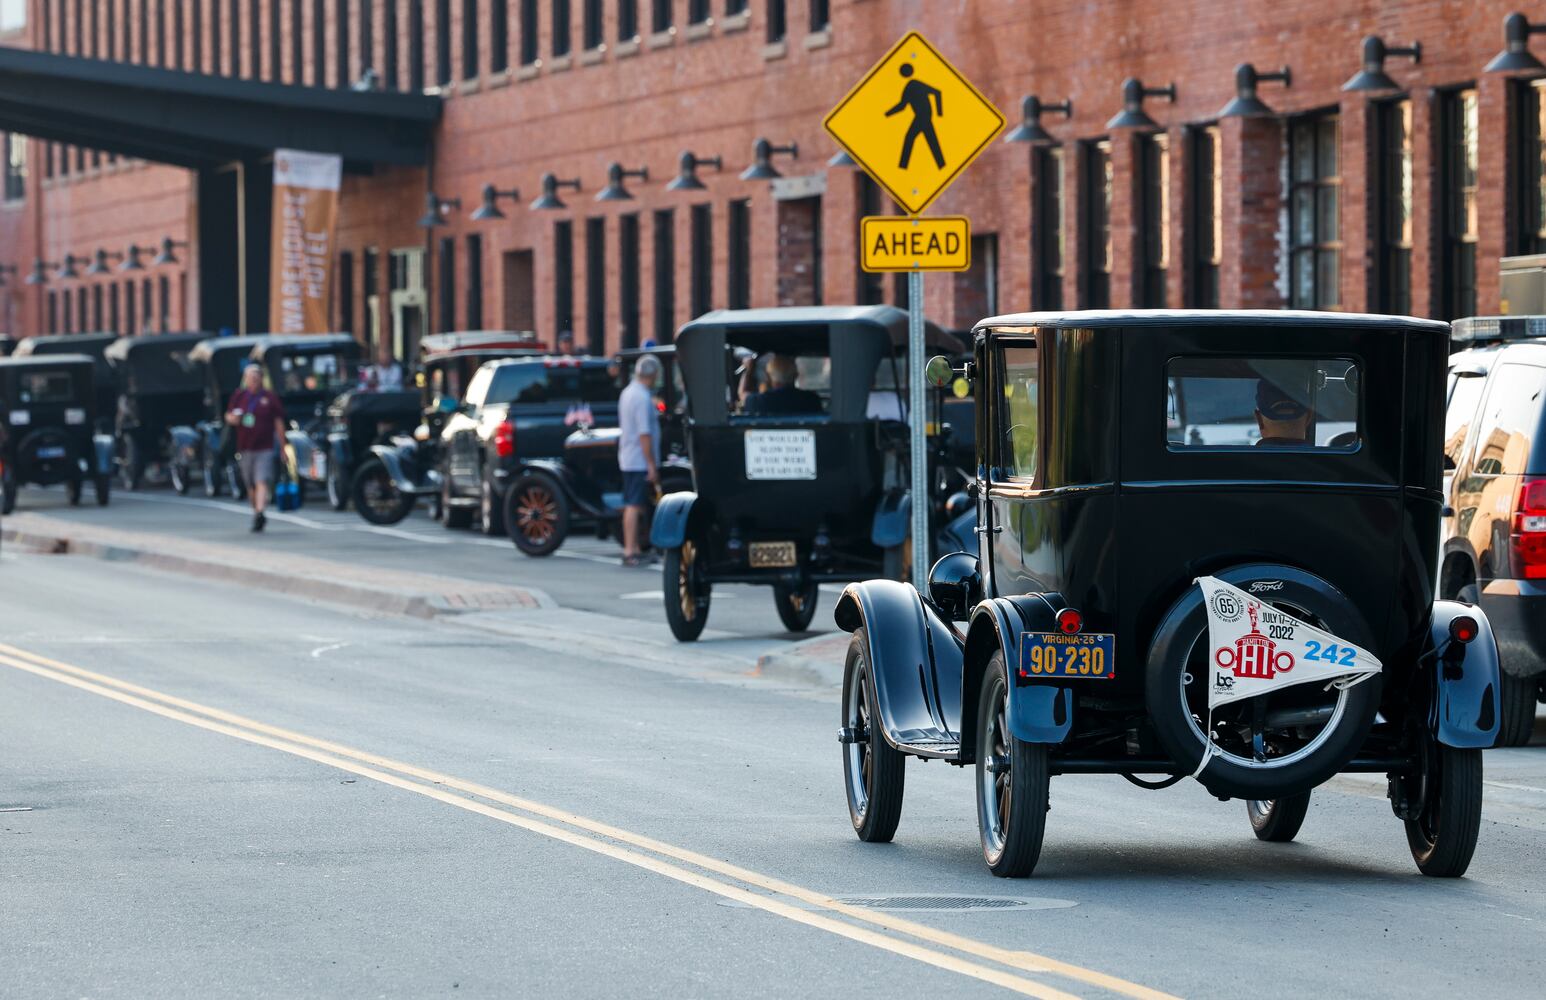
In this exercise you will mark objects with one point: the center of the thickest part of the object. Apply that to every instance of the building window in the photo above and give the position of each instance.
(316, 73)
(114, 317)
(561, 39)
(147, 307)
(1315, 187)
(591, 30)
(217, 49)
(596, 286)
(821, 15)
(447, 297)
(1393, 207)
(740, 270)
(165, 316)
(469, 39)
(389, 45)
(1459, 153)
(777, 20)
(1049, 232)
(53, 312)
(442, 42)
(1206, 228)
(233, 57)
(161, 55)
(499, 37)
(734, 7)
(660, 15)
(529, 39)
(416, 46)
(702, 289)
(255, 37)
(474, 311)
(341, 42)
(563, 281)
(627, 20)
(1153, 243)
(976, 289)
(665, 276)
(67, 324)
(1097, 224)
(346, 292)
(96, 308)
(15, 166)
(131, 314)
(195, 35)
(697, 11)
(1529, 236)
(367, 22)
(370, 290)
(300, 72)
(628, 278)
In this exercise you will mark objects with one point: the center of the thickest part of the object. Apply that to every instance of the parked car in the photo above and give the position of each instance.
(401, 470)
(1155, 593)
(47, 414)
(159, 388)
(794, 488)
(1494, 548)
(7, 345)
(206, 448)
(314, 376)
(94, 346)
(516, 410)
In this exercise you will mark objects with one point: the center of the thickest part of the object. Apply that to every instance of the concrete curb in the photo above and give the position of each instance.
(817, 661)
(307, 584)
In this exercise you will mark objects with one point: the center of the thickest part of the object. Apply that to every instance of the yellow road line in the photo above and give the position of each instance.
(1024, 961)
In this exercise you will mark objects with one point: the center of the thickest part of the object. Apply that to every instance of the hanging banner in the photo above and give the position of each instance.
(305, 225)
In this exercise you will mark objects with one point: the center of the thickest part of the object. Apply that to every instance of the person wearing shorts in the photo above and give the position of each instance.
(259, 419)
(638, 453)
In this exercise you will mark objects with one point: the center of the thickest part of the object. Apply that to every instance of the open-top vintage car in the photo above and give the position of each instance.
(159, 388)
(94, 345)
(47, 419)
(1207, 548)
(802, 482)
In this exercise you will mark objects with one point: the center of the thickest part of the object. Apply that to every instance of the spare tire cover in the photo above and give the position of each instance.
(1308, 732)
(47, 456)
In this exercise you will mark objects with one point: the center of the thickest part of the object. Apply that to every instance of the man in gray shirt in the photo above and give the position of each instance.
(638, 452)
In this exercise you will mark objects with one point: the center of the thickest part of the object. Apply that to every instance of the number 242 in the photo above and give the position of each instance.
(1331, 653)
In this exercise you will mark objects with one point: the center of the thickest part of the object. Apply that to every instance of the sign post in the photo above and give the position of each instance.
(913, 124)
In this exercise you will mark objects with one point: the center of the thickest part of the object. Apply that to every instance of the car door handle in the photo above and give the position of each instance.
(984, 529)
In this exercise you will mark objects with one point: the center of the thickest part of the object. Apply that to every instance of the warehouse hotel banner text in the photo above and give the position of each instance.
(305, 223)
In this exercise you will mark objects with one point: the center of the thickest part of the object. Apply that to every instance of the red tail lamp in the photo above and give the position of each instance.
(1070, 622)
(1529, 534)
(504, 439)
(1463, 628)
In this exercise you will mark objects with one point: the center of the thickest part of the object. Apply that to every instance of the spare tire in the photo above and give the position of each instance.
(1308, 733)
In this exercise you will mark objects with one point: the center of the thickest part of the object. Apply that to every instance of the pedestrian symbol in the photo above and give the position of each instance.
(914, 123)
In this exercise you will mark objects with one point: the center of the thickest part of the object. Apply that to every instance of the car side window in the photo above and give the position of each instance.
(1019, 415)
(477, 389)
(1510, 420)
(1459, 415)
(521, 383)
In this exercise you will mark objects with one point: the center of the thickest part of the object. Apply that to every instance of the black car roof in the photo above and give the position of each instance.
(482, 354)
(71, 342)
(301, 342)
(890, 319)
(1128, 318)
(125, 347)
(551, 361)
(639, 352)
(48, 361)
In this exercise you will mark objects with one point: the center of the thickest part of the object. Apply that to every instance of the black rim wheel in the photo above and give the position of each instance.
(874, 771)
(796, 605)
(377, 498)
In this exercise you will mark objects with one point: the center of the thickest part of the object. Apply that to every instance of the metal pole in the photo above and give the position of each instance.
(917, 414)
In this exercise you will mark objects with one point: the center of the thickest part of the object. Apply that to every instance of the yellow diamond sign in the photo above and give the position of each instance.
(914, 123)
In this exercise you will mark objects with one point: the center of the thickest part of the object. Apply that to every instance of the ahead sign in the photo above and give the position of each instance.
(897, 243)
(914, 123)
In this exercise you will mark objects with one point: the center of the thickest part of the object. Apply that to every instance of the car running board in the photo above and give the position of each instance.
(943, 749)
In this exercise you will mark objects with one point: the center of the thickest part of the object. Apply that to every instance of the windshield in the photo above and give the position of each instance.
(328, 373)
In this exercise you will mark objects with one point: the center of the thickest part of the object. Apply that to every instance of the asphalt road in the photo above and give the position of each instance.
(226, 792)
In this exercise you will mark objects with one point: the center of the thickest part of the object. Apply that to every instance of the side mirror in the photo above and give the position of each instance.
(955, 585)
(938, 372)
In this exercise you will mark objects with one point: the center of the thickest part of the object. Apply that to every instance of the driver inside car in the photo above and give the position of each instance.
(1283, 420)
(782, 397)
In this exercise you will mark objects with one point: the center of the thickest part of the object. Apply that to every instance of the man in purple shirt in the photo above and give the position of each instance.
(259, 419)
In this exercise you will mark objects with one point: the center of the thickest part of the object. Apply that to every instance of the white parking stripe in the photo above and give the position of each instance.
(230, 508)
(412, 536)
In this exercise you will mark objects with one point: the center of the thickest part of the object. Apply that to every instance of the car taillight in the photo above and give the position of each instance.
(1529, 534)
(504, 439)
(1070, 622)
(1463, 628)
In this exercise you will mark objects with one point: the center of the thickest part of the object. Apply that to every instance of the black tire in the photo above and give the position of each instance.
(8, 491)
(687, 594)
(1443, 836)
(1278, 820)
(491, 512)
(102, 486)
(1299, 757)
(536, 513)
(376, 497)
(337, 490)
(1012, 783)
(796, 605)
(72, 491)
(131, 463)
(210, 473)
(1516, 697)
(874, 771)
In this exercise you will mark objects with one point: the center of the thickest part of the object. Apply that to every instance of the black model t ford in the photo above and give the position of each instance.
(1207, 548)
(159, 388)
(47, 414)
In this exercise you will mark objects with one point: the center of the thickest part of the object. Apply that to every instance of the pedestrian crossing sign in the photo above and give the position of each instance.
(914, 123)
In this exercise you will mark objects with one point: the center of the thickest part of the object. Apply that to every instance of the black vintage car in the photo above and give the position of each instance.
(206, 448)
(794, 487)
(7, 345)
(1207, 549)
(94, 345)
(47, 418)
(316, 377)
(516, 410)
(159, 388)
(400, 471)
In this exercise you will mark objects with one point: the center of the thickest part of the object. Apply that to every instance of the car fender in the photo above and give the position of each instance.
(676, 515)
(1465, 703)
(1039, 712)
(401, 466)
(893, 520)
(915, 657)
(339, 451)
(103, 446)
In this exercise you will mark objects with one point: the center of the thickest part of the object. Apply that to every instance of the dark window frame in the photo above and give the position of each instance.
(473, 306)
(1317, 190)
(596, 284)
(701, 261)
(531, 41)
(562, 40)
(499, 37)
(416, 47)
(470, 55)
(1455, 201)
(443, 74)
(346, 292)
(662, 16)
(738, 265)
(1394, 208)
(627, 20)
(778, 21)
(1204, 228)
(663, 250)
(446, 271)
(1096, 237)
(628, 278)
(1151, 243)
(563, 280)
(820, 14)
(1050, 226)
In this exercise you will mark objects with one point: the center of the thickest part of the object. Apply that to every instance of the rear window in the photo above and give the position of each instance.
(1510, 421)
(33, 388)
(541, 383)
(1292, 403)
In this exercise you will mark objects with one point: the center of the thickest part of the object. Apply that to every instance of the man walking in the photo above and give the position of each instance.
(638, 452)
(259, 419)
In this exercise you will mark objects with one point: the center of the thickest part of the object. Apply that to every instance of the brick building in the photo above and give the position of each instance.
(1397, 197)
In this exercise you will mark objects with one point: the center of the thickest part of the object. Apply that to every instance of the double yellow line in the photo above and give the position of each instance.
(896, 935)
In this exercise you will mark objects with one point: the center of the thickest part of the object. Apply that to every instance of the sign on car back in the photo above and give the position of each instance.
(781, 454)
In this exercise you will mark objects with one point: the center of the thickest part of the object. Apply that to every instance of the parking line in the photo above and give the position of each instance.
(411, 778)
(232, 508)
(412, 536)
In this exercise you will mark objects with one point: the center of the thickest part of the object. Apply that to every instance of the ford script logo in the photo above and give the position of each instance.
(1262, 586)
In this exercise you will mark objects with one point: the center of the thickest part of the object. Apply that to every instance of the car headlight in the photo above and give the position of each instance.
(21, 418)
(74, 416)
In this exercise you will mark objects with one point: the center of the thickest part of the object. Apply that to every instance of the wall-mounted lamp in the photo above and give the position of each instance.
(99, 262)
(435, 209)
(1373, 75)
(39, 273)
(131, 258)
(488, 208)
(1029, 129)
(168, 253)
(1246, 104)
(686, 178)
(67, 271)
(763, 151)
(616, 175)
(1133, 95)
(1516, 57)
(549, 201)
(841, 159)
